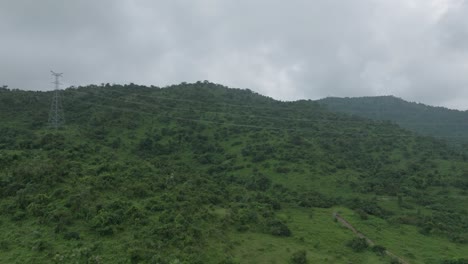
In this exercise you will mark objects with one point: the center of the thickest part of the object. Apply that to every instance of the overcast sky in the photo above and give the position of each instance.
(295, 49)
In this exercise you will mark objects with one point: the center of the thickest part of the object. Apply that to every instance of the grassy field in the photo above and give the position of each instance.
(324, 239)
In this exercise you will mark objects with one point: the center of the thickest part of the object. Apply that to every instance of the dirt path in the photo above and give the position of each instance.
(348, 225)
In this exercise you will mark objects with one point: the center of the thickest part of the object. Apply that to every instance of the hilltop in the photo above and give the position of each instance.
(202, 173)
(439, 122)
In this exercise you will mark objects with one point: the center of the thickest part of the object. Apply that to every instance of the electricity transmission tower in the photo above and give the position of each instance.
(56, 115)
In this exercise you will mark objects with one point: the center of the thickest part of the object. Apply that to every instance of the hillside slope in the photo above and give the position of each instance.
(440, 122)
(200, 173)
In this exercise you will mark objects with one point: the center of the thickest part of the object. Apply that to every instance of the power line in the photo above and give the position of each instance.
(356, 118)
(277, 118)
(322, 121)
(321, 133)
(205, 102)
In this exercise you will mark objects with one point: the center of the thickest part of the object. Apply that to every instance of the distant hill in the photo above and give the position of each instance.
(202, 173)
(440, 122)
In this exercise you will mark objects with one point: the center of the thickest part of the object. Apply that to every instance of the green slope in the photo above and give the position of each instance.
(200, 173)
(440, 122)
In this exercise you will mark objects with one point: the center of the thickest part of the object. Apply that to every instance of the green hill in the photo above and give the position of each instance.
(200, 173)
(440, 122)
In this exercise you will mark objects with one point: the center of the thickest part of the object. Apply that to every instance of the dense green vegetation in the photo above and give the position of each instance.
(199, 173)
(440, 122)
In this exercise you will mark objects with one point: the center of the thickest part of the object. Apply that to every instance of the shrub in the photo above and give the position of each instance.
(456, 261)
(278, 228)
(72, 235)
(358, 244)
(379, 250)
(41, 245)
(138, 255)
(282, 170)
(363, 215)
(104, 221)
(19, 215)
(4, 245)
(299, 257)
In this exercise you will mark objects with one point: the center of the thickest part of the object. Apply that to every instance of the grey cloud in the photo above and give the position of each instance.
(453, 29)
(287, 50)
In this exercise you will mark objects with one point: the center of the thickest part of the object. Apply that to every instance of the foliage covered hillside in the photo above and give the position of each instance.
(199, 173)
(440, 122)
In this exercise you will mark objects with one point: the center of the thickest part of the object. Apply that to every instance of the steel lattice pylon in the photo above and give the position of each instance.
(56, 114)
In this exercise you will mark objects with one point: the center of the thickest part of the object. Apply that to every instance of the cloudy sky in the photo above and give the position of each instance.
(414, 49)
